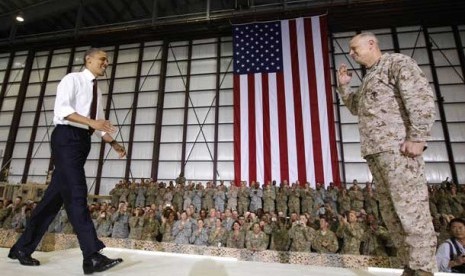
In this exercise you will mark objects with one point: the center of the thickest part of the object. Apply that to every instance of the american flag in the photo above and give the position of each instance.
(283, 116)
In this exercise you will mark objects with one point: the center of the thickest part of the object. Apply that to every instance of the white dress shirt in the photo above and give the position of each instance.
(443, 255)
(74, 95)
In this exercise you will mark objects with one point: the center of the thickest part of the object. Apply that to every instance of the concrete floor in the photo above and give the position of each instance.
(138, 262)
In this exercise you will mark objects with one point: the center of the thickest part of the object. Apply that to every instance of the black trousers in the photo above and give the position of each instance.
(70, 148)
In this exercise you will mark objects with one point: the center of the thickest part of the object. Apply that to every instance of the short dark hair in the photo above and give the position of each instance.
(90, 52)
(454, 220)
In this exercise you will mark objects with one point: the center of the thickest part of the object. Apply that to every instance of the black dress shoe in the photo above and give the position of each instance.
(23, 258)
(98, 263)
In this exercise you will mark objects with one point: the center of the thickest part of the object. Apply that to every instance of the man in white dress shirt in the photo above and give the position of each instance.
(78, 113)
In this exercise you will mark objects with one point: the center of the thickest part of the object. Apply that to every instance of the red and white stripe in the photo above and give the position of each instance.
(284, 122)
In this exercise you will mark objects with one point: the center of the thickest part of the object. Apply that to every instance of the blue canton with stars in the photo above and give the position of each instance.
(257, 48)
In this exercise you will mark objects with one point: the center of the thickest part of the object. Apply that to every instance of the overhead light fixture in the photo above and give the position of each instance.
(20, 17)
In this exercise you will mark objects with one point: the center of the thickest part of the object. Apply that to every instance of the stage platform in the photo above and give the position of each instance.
(141, 262)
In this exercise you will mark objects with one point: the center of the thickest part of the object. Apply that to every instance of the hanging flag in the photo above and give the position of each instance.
(283, 114)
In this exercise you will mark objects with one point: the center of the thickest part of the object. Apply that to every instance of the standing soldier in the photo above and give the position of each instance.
(243, 204)
(220, 198)
(396, 111)
(188, 196)
(177, 197)
(132, 194)
(306, 195)
(141, 191)
(207, 202)
(232, 197)
(152, 192)
(269, 197)
(356, 197)
(256, 195)
(281, 199)
(294, 199)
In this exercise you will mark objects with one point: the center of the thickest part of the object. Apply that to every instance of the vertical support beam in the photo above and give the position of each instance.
(5, 79)
(186, 107)
(40, 102)
(207, 15)
(10, 143)
(440, 102)
(459, 44)
(98, 176)
(338, 112)
(14, 28)
(134, 113)
(161, 99)
(217, 109)
(5, 162)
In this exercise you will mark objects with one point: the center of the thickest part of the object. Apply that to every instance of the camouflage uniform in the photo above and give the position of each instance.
(236, 240)
(136, 225)
(256, 241)
(165, 230)
(351, 234)
(160, 196)
(218, 238)
(294, 201)
(151, 229)
(281, 200)
(280, 240)
(207, 202)
(151, 193)
(243, 204)
(132, 195)
(325, 242)
(177, 198)
(306, 195)
(197, 199)
(442, 202)
(115, 194)
(199, 237)
(371, 204)
(395, 103)
(232, 198)
(356, 198)
(374, 241)
(140, 199)
(220, 199)
(182, 231)
(167, 197)
(104, 227)
(256, 195)
(269, 197)
(120, 225)
(455, 204)
(188, 195)
(343, 202)
(301, 236)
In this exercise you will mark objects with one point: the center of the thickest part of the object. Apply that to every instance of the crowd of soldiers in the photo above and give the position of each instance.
(280, 217)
